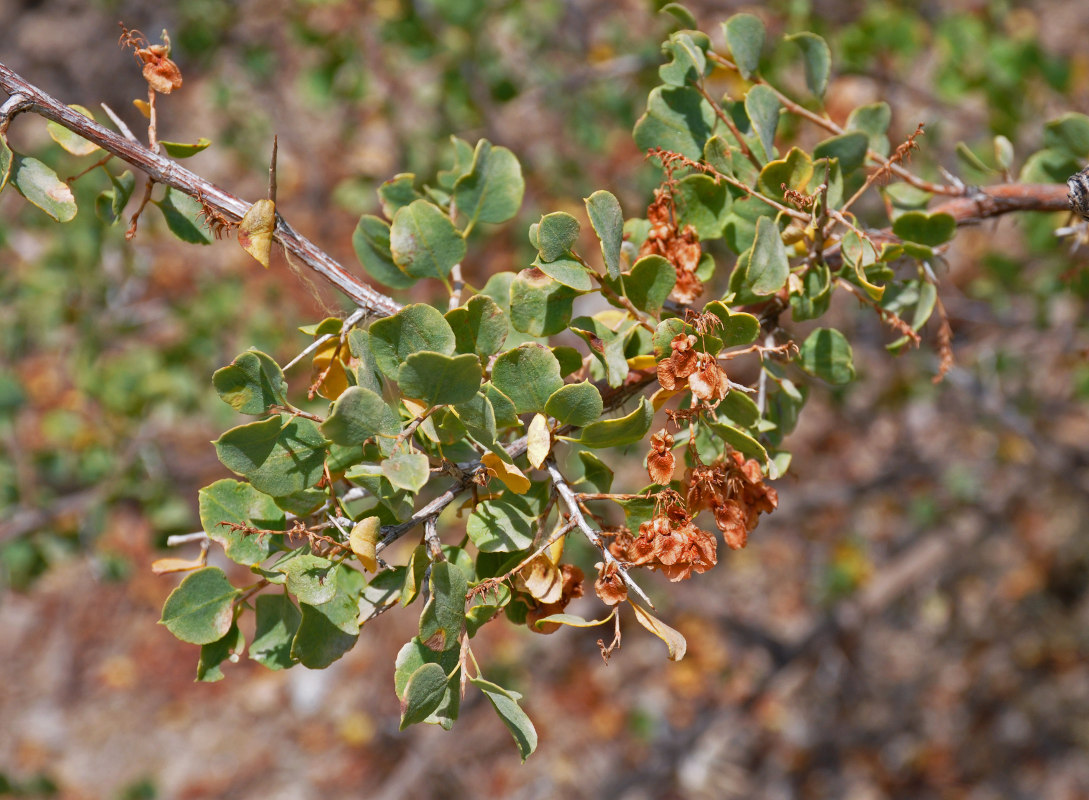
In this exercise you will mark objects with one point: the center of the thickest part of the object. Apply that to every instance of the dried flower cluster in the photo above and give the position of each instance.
(609, 585)
(670, 542)
(161, 74)
(679, 248)
(734, 492)
(688, 368)
(661, 461)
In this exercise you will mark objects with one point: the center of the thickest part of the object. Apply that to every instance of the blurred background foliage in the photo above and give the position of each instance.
(106, 409)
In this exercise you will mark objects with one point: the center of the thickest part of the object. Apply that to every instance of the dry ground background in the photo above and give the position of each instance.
(913, 622)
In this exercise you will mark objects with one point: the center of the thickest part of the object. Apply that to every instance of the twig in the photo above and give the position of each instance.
(185, 538)
(170, 173)
(572, 503)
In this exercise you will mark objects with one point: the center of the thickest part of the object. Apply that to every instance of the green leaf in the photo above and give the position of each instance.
(762, 108)
(768, 265)
(648, 285)
(827, 355)
(668, 329)
(703, 204)
(424, 692)
(479, 326)
(795, 170)
(816, 294)
(410, 659)
(740, 441)
(677, 119)
(740, 409)
(424, 242)
(596, 471)
(111, 202)
(278, 458)
(848, 148)
(232, 501)
(539, 305)
(463, 161)
(873, 120)
(214, 654)
(185, 149)
(397, 192)
(516, 720)
(567, 271)
(437, 379)
(503, 407)
(616, 432)
(182, 215)
(251, 384)
(443, 618)
(201, 609)
(503, 525)
(73, 142)
(383, 591)
(415, 327)
(371, 241)
(575, 404)
(358, 415)
(818, 60)
(928, 229)
(681, 14)
(528, 375)
(570, 359)
(277, 622)
(607, 219)
(556, 234)
(492, 189)
(310, 578)
(745, 36)
(478, 416)
(1069, 133)
(606, 346)
(735, 329)
(329, 630)
(41, 187)
(688, 62)
(408, 471)
(859, 253)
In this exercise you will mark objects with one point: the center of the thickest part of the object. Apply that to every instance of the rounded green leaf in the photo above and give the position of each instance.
(201, 609)
(736, 328)
(504, 525)
(873, 120)
(437, 379)
(506, 706)
(183, 217)
(310, 578)
(424, 242)
(372, 248)
(277, 621)
(479, 326)
(607, 219)
(688, 62)
(818, 60)
(396, 193)
(556, 235)
(423, 694)
(567, 271)
(443, 617)
(648, 285)
(768, 268)
(251, 384)
(528, 375)
(827, 355)
(407, 471)
(1069, 133)
(576, 404)
(492, 189)
(678, 119)
(213, 655)
(703, 204)
(329, 630)
(762, 108)
(624, 430)
(745, 36)
(185, 149)
(848, 148)
(415, 327)
(278, 458)
(595, 471)
(229, 500)
(928, 229)
(795, 170)
(360, 414)
(41, 187)
(539, 305)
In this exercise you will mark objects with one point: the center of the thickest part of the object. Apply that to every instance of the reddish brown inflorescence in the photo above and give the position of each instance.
(609, 586)
(161, 74)
(679, 248)
(661, 461)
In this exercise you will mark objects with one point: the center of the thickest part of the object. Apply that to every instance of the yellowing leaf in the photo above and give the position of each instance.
(363, 540)
(661, 397)
(555, 552)
(336, 380)
(511, 477)
(574, 620)
(611, 317)
(542, 579)
(163, 566)
(672, 638)
(538, 441)
(647, 361)
(255, 230)
(143, 107)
